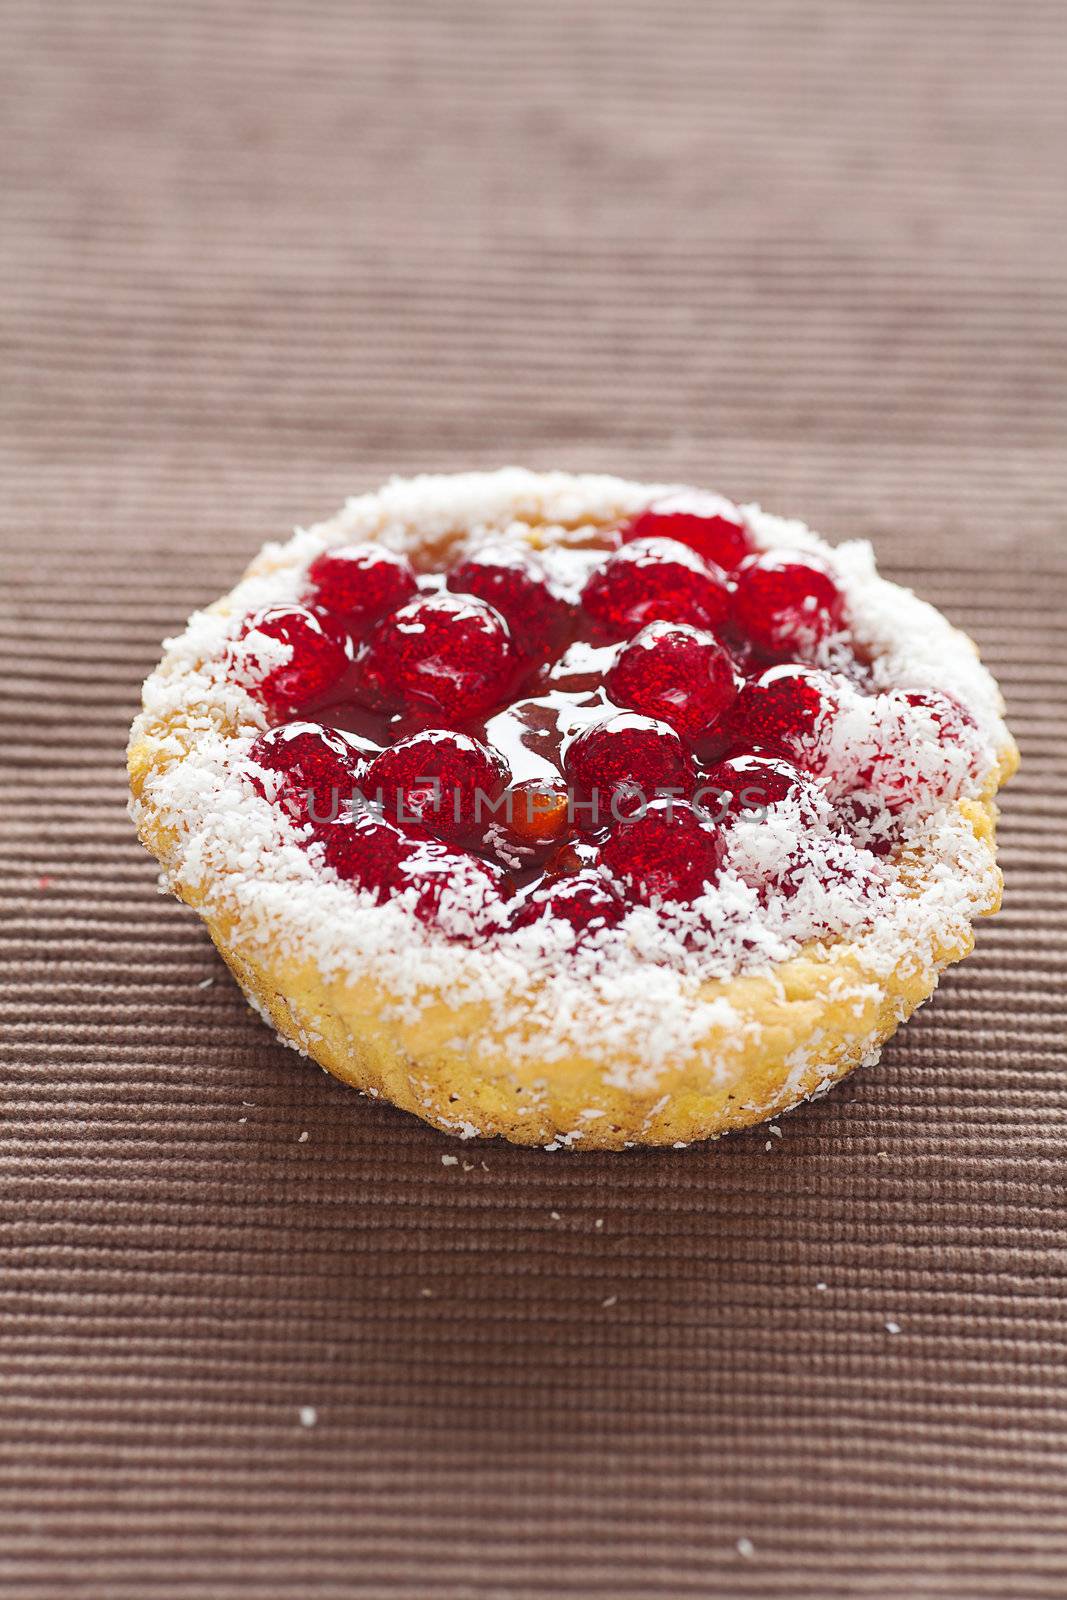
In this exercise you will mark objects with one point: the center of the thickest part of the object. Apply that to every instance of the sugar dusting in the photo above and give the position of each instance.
(641, 987)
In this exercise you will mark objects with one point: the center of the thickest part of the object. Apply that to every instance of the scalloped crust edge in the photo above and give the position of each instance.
(818, 1016)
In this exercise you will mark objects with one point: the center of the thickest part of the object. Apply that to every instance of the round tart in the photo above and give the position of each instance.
(585, 812)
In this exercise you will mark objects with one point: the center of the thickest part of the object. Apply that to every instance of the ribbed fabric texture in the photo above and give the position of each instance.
(257, 256)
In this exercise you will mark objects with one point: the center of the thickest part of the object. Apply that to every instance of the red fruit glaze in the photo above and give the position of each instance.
(664, 853)
(787, 603)
(509, 579)
(653, 580)
(746, 785)
(317, 657)
(314, 770)
(663, 633)
(584, 900)
(787, 710)
(448, 653)
(360, 582)
(625, 760)
(707, 524)
(441, 781)
(676, 673)
(573, 856)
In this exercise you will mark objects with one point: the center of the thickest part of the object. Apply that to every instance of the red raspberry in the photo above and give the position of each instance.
(314, 770)
(626, 760)
(953, 722)
(436, 883)
(870, 822)
(664, 853)
(585, 900)
(787, 603)
(836, 863)
(450, 653)
(743, 786)
(787, 710)
(360, 582)
(366, 851)
(655, 580)
(442, 781)
(676, 673)
(288, 657)
(509, 579)
(705, 522)
(925, 744)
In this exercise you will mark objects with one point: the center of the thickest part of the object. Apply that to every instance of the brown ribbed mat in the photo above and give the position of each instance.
(257, 1340)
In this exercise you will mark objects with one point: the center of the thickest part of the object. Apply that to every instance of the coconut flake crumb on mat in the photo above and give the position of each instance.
(308, 1416)
(612, 1300)
(303, 1137)
(892, 1327)
(450, 1161)
(746, 1548)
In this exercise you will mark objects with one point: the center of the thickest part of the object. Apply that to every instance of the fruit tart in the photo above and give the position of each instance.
(583, 812)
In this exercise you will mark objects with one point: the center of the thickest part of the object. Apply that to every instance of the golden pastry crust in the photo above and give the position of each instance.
(784, 1034)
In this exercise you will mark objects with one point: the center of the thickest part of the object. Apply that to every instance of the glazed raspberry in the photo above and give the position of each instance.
(288, 657)
(360, 582)
(447, 653)
(918, 746)
(444, 782)
(537, 812)
(787, 603)
(655, 580)
(870, 822)
(676, 673)
(625, 760)
(431, 880)
(585, 900)
(706, 523)
(744, 786)
(787, 710)
(952, 722)
(314, 770)
(365, 851)
(830, 864)
(664, 853)
(510, 580)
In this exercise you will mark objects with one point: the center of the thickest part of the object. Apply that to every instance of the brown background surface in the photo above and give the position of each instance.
(256, 256)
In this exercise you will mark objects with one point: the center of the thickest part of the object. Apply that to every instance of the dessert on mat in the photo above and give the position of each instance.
(584, 812)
